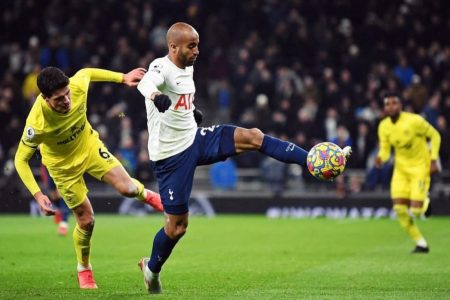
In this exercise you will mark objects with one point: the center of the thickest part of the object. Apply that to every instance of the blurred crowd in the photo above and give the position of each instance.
(302, 70)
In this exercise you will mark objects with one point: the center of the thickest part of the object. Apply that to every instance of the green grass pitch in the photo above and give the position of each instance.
(230, 257)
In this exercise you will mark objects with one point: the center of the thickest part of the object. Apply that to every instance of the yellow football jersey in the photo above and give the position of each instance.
(408, 136)
(63, 138)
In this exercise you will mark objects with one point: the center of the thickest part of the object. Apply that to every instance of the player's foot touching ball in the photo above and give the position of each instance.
(326, 160)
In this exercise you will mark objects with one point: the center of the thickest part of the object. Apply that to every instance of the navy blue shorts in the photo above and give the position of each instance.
(175, 174)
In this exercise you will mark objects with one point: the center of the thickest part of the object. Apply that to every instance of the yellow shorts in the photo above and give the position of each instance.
(412, 185)
(70, 182)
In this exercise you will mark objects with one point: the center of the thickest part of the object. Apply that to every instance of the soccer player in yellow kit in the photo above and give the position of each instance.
(58, 124)
(408, 133)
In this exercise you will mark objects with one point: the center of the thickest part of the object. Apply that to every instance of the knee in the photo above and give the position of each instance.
(255, 137)
(87, 223)
(178, 231)
(127, 189)
(400, 209)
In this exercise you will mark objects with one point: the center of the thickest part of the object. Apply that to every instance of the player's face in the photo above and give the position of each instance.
(188, 50)
(392, 107)
(60, 100)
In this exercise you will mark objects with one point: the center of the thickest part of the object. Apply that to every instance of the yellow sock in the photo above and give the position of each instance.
(407, 222)
(141, 189)
(82, 243)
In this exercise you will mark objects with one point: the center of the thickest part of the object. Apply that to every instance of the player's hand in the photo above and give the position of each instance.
(45, 204)
(198, 116)
(162, 102)
(133, 77)
(378, 162)
(434, 167)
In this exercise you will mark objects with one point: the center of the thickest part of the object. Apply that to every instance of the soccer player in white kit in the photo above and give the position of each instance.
(177, 146)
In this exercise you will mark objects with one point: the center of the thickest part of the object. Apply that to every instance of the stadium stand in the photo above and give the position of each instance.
(308, 71)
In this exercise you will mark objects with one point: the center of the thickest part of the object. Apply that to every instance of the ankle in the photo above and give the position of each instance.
(81, 268)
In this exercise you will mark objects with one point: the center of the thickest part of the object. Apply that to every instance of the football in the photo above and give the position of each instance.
(326, 161)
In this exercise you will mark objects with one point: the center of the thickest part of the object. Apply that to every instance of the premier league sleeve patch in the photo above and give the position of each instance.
(29, 133)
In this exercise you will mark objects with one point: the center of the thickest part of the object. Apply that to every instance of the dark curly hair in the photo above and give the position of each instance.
(51, 79)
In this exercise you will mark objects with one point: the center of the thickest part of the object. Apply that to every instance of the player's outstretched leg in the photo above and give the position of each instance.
(151, 280)
(283, 151)
(254, 139)
(133, 188)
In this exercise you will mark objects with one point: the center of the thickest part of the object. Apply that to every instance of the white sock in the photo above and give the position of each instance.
(81, 268)
(422, 243)
(150, 274)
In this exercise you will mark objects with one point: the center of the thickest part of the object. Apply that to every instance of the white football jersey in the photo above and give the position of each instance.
(174, 130)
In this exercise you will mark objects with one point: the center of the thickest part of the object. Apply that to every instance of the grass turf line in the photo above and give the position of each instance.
(230, 257)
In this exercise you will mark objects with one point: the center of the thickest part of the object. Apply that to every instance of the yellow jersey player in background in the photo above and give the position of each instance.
(408, 134)
(57, 123)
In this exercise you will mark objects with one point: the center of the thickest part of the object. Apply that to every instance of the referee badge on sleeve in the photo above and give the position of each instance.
(30, 133)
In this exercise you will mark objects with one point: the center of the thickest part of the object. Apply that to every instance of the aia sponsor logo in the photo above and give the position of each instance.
(184, 102)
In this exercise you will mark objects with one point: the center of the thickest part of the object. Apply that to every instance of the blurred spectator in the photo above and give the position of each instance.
(364, 143)
(224, 101)
(30, 89)
(431, 111)
(342, 138)
(377, 177)
(223, 175)
(316, 66)
(331, 124)
(442, 127)
(263, 112)
(126, 154)
(417, 94)
(274, 173)
(404, 72)
(55, 54)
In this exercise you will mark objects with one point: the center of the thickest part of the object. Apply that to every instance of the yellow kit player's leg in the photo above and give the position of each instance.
(82, 234)
(408, 224)
(140, 190)
(401, 191)
(73, 189)
(82, 243)
(104, 166)
(420, 186)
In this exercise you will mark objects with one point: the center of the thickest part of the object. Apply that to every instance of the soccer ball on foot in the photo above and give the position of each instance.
(326, 161)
